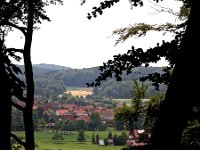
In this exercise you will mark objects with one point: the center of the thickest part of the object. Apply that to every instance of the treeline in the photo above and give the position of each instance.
(114, 89)
(52, 80)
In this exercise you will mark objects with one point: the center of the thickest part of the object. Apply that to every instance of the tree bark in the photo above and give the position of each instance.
(183, 91)
(28, 119)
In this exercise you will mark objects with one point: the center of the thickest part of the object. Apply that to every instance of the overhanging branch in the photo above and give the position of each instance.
(22, 29)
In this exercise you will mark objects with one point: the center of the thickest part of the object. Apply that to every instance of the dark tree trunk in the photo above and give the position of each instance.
(5, 106)
(28, 118)
(183, 91)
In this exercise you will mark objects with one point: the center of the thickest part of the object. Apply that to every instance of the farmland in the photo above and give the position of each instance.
(80, 92)
(44, 141)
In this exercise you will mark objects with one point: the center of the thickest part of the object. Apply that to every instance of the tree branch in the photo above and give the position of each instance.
(83, 2)
(17, 106)
(17, 139)
(15, 50)
(22, 29)
(160, 8)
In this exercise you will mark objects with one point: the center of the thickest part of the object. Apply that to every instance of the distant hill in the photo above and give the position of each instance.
(42, 70)
(79, 77)
(51, 66)
(53, 79)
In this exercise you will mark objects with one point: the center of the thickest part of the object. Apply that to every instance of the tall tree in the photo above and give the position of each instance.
(97, 138)
(138, 93)
(81, 136)
(22, 15)
(130, 116)
(179, 104)
(93, 138)
(95, 122)
(28, 116)
(182, 54)
(110, 135)
(152, 111)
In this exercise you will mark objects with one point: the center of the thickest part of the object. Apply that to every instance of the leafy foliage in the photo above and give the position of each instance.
(131, 116)
(11, 71)
(137, 57)
(126, 115)
(152, 112)
(110, 3)
(121, 139)
(191, 134)
(15, 144)
(48, 88)
(15, 12)
(140, 29)
(183, 42)
(95, 122)
(17, 120)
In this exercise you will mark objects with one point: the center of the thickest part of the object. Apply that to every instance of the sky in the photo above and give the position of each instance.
(71, 40)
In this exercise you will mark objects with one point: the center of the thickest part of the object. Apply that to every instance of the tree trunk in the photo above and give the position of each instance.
(28, 118)
(183, 91)
(5, 106)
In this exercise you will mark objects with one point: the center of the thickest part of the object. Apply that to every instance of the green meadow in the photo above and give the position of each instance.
(126, 101)
(44, 141)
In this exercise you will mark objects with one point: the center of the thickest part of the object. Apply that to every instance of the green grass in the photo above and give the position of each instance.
(74, 146)
(45, 142)
(127, 101)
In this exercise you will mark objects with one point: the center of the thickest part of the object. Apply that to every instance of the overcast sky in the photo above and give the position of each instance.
(71, 40)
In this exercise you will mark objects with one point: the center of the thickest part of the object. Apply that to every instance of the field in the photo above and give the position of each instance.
(80, 92)
(44, 141)
(126, 101)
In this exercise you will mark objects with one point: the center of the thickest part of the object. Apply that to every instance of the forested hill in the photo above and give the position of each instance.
(51, 80)
(79, 77)
(50, 66)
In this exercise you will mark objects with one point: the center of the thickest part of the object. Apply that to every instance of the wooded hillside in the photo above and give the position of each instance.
(52, 80)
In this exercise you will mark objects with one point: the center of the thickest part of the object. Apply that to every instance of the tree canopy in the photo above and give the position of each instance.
(136, 57)
(181, 53)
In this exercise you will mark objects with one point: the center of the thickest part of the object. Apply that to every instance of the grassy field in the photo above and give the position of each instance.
(45, 142)
(127, 101)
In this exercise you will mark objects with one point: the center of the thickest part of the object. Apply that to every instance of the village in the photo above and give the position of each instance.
(74, 112)
(79, 114)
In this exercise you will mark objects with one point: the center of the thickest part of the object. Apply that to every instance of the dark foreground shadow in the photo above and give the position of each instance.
(146, 147)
